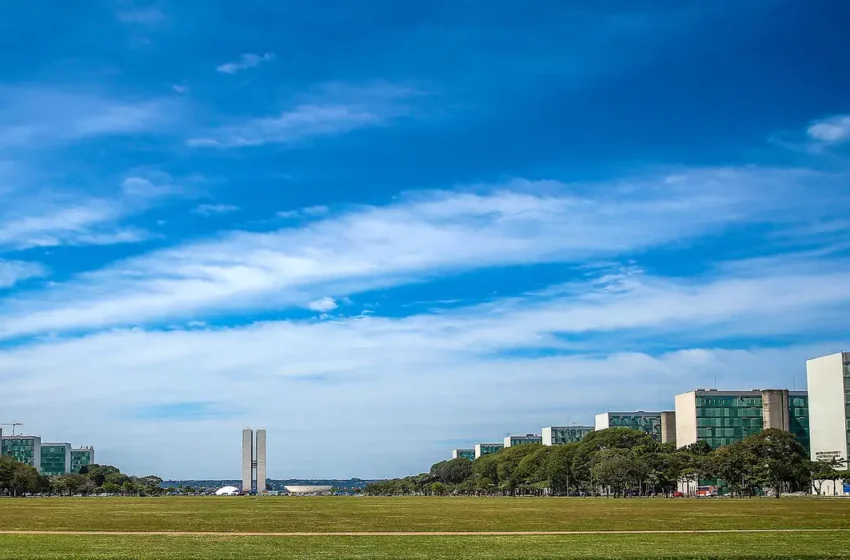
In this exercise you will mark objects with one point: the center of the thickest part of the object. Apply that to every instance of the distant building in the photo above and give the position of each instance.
(253, 461)
(511, 441)
(24, 449)
(482, 449)
(81, 457)
(55, 459)
(647, 422)
(828, 380)
(465, 453)
(724, 417)
(558, 435)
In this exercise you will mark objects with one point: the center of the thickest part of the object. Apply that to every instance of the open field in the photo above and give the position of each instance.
(819, 528)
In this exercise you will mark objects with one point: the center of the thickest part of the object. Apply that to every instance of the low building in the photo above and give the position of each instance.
(724, 417)
(81, 457)
(24, 449)
(647, 422)
(511, 441)
(55, 459)
(558, 435)
(464, 453)
(482, 449)
(828, 381)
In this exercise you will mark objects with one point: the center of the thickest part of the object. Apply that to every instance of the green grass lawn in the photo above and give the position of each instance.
(737, 546)
(326, 514)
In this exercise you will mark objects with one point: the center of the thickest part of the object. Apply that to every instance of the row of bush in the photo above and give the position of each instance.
(621, 462)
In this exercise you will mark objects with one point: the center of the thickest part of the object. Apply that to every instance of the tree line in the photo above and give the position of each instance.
(20, 479)
(624, 462)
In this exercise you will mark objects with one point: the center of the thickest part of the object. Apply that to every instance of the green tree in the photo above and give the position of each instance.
(780, 460)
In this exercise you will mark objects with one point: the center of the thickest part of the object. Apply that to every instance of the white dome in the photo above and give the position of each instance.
(227, 491)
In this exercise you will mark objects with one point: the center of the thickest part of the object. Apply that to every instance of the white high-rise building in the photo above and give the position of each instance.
(828, 380)
(253, 461)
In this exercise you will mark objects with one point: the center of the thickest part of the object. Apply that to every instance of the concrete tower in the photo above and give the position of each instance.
(247, 459)
(261, 461)
(253, 461)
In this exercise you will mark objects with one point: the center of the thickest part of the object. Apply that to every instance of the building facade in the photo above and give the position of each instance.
(55, 459)
(463, 453)
(724, 417)
(254, 461)
(81, 457)
(828, 381)
(482, 449)
(559, 435)
(511, 441)
(24, 449)
(647, 422)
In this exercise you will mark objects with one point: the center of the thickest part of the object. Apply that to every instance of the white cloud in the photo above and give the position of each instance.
(334, 109)
(12, 272)
(309, 211)
(417, 237)
(38, 117)
(303, 122)
(214, 209)
(33, 217)
(324, 304)
(247, 60)
(831, 130)
(179, 88)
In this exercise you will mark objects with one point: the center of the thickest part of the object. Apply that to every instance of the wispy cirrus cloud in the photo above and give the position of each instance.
(40, 117)
(246, 61)
(12, 272)
(215, 209)
(305, 121)
(419, 236)
(333, 109)
(32, 217)
(828, 132)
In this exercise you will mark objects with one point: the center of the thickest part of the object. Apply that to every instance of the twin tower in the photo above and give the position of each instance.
(253, 461)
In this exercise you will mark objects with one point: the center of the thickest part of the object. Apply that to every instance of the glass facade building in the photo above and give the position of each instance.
(55, 458)
(24, 449)
(647, 422)
(723, 417)
(463, 453)
(511, 441)
(559, 435)
(482, 449)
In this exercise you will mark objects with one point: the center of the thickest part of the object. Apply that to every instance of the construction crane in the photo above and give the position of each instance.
(13, 424)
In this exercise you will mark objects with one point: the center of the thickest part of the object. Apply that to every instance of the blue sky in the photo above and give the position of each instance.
(379, 230)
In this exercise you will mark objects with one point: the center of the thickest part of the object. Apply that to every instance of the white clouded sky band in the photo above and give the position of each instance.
(422, 236)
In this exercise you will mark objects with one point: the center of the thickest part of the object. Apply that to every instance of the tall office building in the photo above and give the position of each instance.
(647, 422)
(559, 435)
(55, 459)
(464, 453)
(24, 449)
(253, 461)
(511, 441)
(724, 417)
(828, 380)
(81, 457)
(482, 449)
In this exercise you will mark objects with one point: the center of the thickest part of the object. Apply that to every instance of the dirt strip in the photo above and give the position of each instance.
(412, 533)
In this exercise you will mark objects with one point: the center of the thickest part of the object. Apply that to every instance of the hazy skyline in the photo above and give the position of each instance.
(382, 231)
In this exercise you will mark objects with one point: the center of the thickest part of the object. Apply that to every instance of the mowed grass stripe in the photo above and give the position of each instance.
(729, 546)
(427, 515)
(414, 533)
